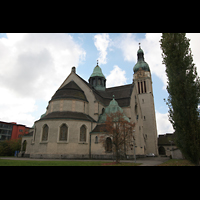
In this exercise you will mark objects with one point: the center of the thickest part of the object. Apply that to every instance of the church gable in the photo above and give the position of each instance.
(75, 87)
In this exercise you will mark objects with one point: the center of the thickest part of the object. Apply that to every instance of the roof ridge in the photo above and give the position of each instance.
(119, 86)
(68, 115)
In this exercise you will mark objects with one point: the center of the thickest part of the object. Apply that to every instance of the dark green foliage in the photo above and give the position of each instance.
(8, 147)
(183, 88)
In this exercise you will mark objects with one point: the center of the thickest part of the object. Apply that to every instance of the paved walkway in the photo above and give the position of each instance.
(148, 161)
(152, 161)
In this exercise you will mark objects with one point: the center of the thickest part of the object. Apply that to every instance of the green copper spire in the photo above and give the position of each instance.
(113, 107)
(97, 79)
(141, 63)
(97, 71)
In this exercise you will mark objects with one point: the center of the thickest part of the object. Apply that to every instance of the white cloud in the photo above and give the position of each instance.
(32, 68)
(163, 124)
(116, 77)
(194, 45)
(152, 54)
(16, 109)
(101, 41)
(153, 57)
(128, 43)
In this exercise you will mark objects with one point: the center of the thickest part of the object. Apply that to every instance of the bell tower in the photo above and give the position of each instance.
(97, 79)
(143, 83)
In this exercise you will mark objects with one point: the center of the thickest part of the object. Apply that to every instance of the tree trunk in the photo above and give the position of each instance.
(117, 155)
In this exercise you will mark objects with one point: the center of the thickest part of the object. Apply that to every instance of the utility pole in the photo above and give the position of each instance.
(134, 146)
(134, 149)
(171, 146)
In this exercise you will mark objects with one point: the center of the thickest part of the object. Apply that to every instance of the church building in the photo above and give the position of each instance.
(70, 126)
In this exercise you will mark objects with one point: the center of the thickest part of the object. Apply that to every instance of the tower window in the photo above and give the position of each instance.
(99, 81)
(138, 87)
(145, 87)
(93, 82)
(141, 87)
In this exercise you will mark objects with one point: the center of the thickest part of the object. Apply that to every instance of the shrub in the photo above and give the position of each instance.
(8, 147)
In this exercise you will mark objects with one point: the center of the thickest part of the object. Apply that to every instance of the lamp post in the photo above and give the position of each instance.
(134, 146)
(134, 149)
(171, 146)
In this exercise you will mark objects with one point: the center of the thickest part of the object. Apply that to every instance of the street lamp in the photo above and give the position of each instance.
(171, 146)
(134, 146)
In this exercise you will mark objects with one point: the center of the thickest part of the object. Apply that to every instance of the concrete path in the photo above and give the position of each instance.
(148, 161)
(152, 161)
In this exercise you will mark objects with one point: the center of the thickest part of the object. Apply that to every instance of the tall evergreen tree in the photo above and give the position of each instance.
(184, 92)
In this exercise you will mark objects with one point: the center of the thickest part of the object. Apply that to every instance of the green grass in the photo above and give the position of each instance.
(5, 162)
(120, 164)
(176, 162)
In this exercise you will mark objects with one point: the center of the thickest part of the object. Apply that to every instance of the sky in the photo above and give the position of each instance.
(34, 65)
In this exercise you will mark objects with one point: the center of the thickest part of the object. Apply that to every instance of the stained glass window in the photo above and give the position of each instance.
(63, 133)
(45, 133)
(83, 133)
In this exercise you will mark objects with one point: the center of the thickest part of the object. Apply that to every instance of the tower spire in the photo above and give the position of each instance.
(97, 79)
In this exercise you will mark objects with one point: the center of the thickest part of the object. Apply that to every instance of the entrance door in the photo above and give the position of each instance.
(161, 150)
(24, 145)
(108, 145)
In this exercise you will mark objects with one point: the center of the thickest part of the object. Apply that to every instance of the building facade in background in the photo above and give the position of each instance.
(12, 130)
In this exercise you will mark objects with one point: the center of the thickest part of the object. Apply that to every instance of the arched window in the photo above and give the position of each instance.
(63, 132)
(45, 133)
(108, 145)
(83, 134)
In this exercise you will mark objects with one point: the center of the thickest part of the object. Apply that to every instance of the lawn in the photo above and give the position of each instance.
(176, 162)
(5, 162)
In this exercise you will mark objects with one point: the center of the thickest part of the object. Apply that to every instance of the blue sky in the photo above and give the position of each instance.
(115, 57)
(33, 66)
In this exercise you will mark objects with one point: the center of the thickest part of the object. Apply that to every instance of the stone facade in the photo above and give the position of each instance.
(143, 84)
(77, 106)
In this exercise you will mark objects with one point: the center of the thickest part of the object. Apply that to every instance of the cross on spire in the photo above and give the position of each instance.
(97, 62)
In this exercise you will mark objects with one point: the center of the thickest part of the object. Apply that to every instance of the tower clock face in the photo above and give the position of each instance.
(140, 73)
